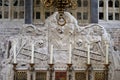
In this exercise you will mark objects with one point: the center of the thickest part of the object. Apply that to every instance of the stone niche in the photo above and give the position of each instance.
(60, 37)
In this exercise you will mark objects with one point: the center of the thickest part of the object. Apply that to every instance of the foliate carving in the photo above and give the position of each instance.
(80, 76)
(99, 75)
(21, 75)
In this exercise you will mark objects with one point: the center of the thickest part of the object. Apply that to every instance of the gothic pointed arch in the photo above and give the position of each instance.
(110, 3)
(117, 3)
(101, 3)
(85, 3)
(79, 3)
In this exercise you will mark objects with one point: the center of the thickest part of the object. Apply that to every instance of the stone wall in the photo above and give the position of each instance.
(113, 28)
(7, 29)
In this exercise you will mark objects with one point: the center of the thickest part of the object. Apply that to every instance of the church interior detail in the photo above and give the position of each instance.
(59, 39)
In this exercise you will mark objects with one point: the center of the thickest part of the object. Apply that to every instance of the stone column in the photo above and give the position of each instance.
(94, 11)
(28, 11)
(106, 10)
(10, 10)
(113, 9)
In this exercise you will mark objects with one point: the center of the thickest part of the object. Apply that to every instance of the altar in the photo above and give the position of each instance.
(54, 52)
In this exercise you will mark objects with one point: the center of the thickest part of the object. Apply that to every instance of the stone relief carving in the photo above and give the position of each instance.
(60, 37)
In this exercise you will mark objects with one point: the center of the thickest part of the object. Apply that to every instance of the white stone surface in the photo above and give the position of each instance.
(60, 37)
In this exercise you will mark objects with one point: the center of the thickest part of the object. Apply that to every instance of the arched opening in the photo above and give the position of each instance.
(110, 16)
(110, 3)
(101, 3)
(0, 14)
(85, 3)
(117, 16)
(101, 15)
(37, 2)
(15, 2)
(79, 3)
(21, 3)
(0, 2)
(79, 16)
(117, 4)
